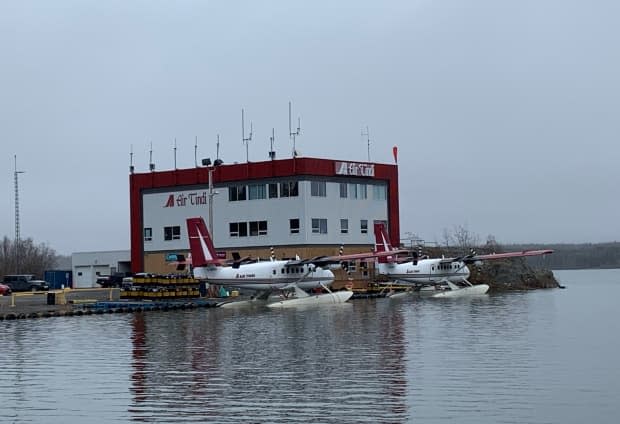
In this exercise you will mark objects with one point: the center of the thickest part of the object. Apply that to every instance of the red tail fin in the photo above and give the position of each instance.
(382, 243)
(200, 243)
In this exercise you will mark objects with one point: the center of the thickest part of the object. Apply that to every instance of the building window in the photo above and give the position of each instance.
(343, 190)
(293, 225)
(148, 234)
(236, 193)
(362, 191)
(238, 229)
(379, 192)
(344, 226)
(258, 228)
(273, 190)
(172, 233)
(319, 225)
(364, 268)
(350, 266)
(364, 226)
(289, 189)
(284, 189)
(257, 191)
(353, 191)
(318, 188)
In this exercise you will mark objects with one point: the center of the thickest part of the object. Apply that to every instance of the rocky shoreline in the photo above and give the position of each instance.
(514, 274)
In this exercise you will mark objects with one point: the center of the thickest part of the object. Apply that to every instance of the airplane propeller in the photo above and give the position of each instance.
(238, 260)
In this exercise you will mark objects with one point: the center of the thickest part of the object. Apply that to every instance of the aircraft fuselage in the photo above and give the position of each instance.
(425, 271)
(267, 275)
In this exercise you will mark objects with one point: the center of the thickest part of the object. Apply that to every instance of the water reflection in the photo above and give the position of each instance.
(270, 366)
(535, 357)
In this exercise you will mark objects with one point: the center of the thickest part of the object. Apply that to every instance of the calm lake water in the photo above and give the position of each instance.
(548, 356)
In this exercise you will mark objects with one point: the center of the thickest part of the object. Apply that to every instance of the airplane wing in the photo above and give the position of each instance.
(523, 253)
(471, 258)
(321, 261)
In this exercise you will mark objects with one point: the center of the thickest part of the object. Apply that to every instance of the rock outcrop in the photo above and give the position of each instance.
(513, 274)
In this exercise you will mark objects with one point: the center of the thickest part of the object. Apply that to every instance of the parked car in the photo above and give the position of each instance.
(25, 282)
(4, 290)
(114, 280)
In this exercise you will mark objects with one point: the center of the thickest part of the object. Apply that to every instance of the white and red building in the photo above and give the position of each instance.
(299, 206)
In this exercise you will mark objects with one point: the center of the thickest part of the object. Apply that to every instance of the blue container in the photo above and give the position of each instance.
(57, 278)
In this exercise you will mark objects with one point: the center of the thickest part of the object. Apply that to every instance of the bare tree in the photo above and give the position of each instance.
(25, 257)
(460, 237)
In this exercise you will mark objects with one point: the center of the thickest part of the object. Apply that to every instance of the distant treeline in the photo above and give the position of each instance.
(574, 256)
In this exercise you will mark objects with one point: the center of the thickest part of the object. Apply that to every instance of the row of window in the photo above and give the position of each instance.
(170, 233)
(349, 190)
(259, 228)
(240, 229)
(261, 191)
(291, 189)
(344, 226)
(350, 266)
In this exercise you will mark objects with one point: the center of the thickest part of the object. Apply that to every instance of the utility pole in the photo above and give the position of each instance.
(17, 236)
(211, 194)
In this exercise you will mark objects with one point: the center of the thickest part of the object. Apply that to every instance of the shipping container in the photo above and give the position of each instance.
(58, 279)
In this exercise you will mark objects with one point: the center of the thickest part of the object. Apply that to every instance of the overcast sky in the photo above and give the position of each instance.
(505, 113)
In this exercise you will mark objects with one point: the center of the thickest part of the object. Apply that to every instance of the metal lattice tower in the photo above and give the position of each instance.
(17, 237)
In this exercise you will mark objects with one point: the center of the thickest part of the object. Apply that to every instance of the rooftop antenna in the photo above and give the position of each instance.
(175, 153)
(131, 168)
(151, 164)
(245, 140)
(367, 134)
(272, 153)
(290, 130)
(196, 152)
(17, 237)
(217, 151)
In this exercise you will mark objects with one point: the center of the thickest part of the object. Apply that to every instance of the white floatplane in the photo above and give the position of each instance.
(266, 277)
(439, 277)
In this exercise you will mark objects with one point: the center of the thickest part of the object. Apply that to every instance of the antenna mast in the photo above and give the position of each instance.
(367, 134)
(272, 153)
(217, 152)
(196, 152)
(175, 153)
(290, 130)
(17, 237)
(131, 159)
(151, 164)
(245, 140)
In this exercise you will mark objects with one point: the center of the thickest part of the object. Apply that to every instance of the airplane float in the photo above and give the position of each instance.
(439, 277)
(271, 275)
